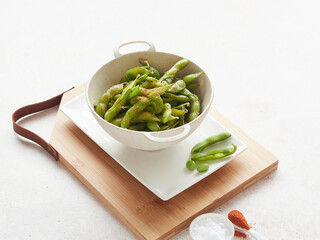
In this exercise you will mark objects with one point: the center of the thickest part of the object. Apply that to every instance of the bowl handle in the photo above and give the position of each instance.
(117, 53)
(186, 130)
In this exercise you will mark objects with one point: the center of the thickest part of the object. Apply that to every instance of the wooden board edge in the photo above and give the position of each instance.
(100, 197)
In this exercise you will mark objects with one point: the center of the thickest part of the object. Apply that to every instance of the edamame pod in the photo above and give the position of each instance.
(178, 98)
(192, 86)
(134, 92)
(132, 74)
(191, 77)
(134, 111)
(214, 154)
(110, 93)
(138, 127)
(146, 117)
(178, 86)
(209, 141)
(116, 107)
(166, 112)
(153, 126)
(101, 109)
(171, 73)
(178, 112)
(194, 108)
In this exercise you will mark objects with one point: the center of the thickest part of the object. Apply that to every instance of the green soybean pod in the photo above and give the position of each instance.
(214, 154)
(154, 72)
(146, 117)
(166, 112)
(116, 107)
(132, 74)
(181, 118)
(171, 73)
(194, 108)
(191, 77)
(178, 98)
(137, 127)
(156, 103)
(178, 86)
(101, 109)
(203, 167)
(178, 112)
(110, 93)
(192, 86)
(134, 92)
(191, 165)
(169, 125)
(209, 141)
(134, 111)
(116, 121)
(153, 126)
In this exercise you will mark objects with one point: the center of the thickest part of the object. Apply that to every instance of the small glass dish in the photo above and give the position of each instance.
(205, 222)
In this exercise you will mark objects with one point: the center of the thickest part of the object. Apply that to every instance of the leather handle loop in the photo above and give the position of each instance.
(33, 108)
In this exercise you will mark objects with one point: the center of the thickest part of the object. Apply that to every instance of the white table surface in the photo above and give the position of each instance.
(263, 58)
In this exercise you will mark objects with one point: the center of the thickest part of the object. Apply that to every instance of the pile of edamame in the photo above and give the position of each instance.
(145, 100)
(199, 157)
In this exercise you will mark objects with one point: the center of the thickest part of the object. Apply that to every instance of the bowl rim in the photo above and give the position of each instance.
(205, 110)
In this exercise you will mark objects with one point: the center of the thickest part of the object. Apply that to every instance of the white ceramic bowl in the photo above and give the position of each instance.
(111, 73)
(202, 220)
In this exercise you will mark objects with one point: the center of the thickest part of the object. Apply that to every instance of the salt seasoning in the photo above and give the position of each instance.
(207, 229)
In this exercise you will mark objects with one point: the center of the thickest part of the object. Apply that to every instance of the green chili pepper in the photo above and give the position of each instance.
(194, 108)
(209, 141)
(134, 111)
(203, 167)
(153, 126)
(116, 107)
(178, 98)
(166, 112)
(170, 74)
(101, 109)
(191, 165)
(191, 77)
(214, 154)
(192, 86)
(110, 93)
(178, 86)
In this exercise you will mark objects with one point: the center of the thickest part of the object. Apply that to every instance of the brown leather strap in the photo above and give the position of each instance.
(33, 108)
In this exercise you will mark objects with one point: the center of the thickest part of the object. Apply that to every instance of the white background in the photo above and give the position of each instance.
(263, 58)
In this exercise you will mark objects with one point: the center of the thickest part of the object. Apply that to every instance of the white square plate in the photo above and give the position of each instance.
(163, 172)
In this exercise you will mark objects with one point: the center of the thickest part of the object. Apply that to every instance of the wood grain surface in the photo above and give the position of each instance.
(147, 216)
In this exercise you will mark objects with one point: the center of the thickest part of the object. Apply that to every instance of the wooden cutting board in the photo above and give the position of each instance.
(147, 216)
